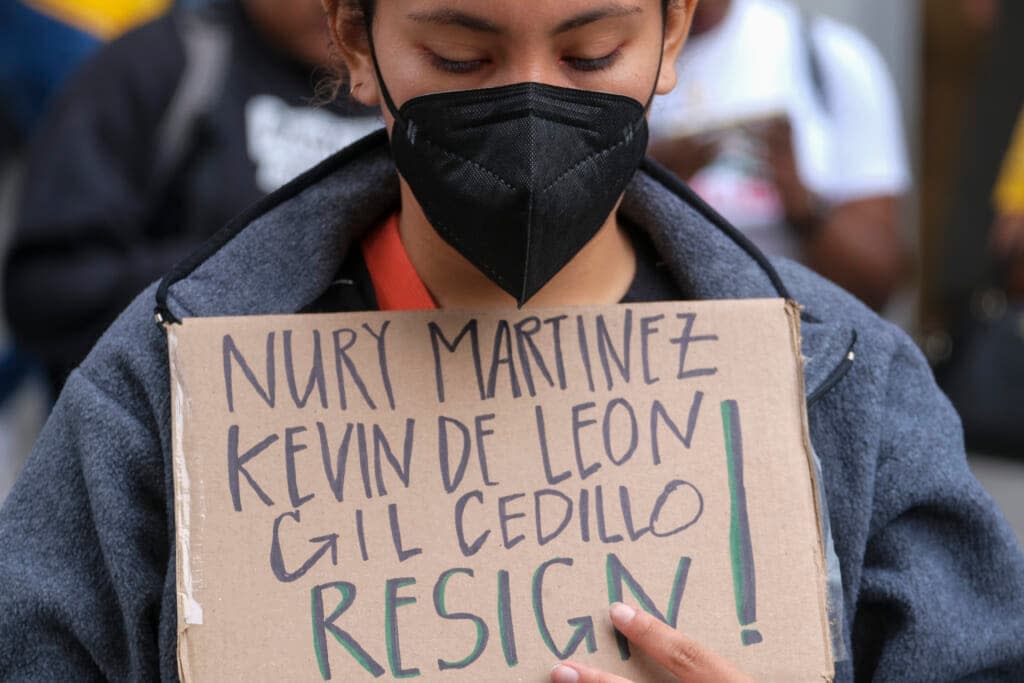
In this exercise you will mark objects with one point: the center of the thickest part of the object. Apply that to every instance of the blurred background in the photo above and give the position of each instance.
(879, 142)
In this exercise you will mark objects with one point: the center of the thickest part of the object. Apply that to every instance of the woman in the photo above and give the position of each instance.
(543, 103)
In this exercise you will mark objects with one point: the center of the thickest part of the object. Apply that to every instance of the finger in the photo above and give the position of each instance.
(572, 672)
(684, 657)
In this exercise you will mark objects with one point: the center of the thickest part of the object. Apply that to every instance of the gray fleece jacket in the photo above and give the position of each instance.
(932, 578)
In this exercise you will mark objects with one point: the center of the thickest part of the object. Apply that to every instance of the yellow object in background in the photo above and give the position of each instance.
(104, 19)
(1009, 192)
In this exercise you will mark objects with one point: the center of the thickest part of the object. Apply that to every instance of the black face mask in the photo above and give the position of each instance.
(518, 178)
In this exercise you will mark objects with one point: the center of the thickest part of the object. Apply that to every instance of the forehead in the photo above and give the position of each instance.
(521, 13)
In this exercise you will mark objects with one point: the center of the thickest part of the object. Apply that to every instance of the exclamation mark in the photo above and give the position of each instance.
(743, 579)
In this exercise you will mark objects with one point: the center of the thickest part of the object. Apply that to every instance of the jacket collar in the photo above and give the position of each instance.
(284, 252)
(711, 259)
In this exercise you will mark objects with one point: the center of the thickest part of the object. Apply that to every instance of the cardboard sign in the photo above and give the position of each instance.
(458, 497)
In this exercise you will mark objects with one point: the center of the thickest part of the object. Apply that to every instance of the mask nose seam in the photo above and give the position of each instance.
(528, 252)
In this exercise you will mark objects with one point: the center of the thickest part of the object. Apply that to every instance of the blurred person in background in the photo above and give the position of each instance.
(1007, 239)
(790, 126)
(41, 43)
(158, 141)
(981, 283)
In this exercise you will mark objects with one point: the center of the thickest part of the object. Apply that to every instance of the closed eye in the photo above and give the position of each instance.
(467, 66)
(593, 64)
(454, 66)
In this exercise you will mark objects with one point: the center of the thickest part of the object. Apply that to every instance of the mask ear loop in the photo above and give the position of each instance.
(388, 101)
(661, 59)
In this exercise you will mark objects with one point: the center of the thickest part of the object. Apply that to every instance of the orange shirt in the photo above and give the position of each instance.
(395, 281)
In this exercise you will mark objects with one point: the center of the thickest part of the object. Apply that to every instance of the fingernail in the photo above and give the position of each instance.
(564, 674)
(621, 614)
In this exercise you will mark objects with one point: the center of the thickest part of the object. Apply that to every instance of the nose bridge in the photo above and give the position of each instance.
(533, 62)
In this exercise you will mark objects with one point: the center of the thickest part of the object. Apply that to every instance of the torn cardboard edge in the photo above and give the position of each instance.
(827, 609)
(190, 612)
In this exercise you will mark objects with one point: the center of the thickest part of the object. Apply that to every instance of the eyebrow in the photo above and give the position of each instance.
(453, 17)
(606, 12)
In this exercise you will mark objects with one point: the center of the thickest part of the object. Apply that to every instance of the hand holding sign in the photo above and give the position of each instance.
(684, 658)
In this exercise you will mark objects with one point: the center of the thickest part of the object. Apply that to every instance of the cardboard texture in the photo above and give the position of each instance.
(458, 497)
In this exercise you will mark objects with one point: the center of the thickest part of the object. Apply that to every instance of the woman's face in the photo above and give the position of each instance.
(430, 46)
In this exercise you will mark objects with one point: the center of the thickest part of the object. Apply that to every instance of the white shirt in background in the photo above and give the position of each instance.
(848, 136)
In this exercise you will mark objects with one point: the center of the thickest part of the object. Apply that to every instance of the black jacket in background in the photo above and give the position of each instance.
(95, 225)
